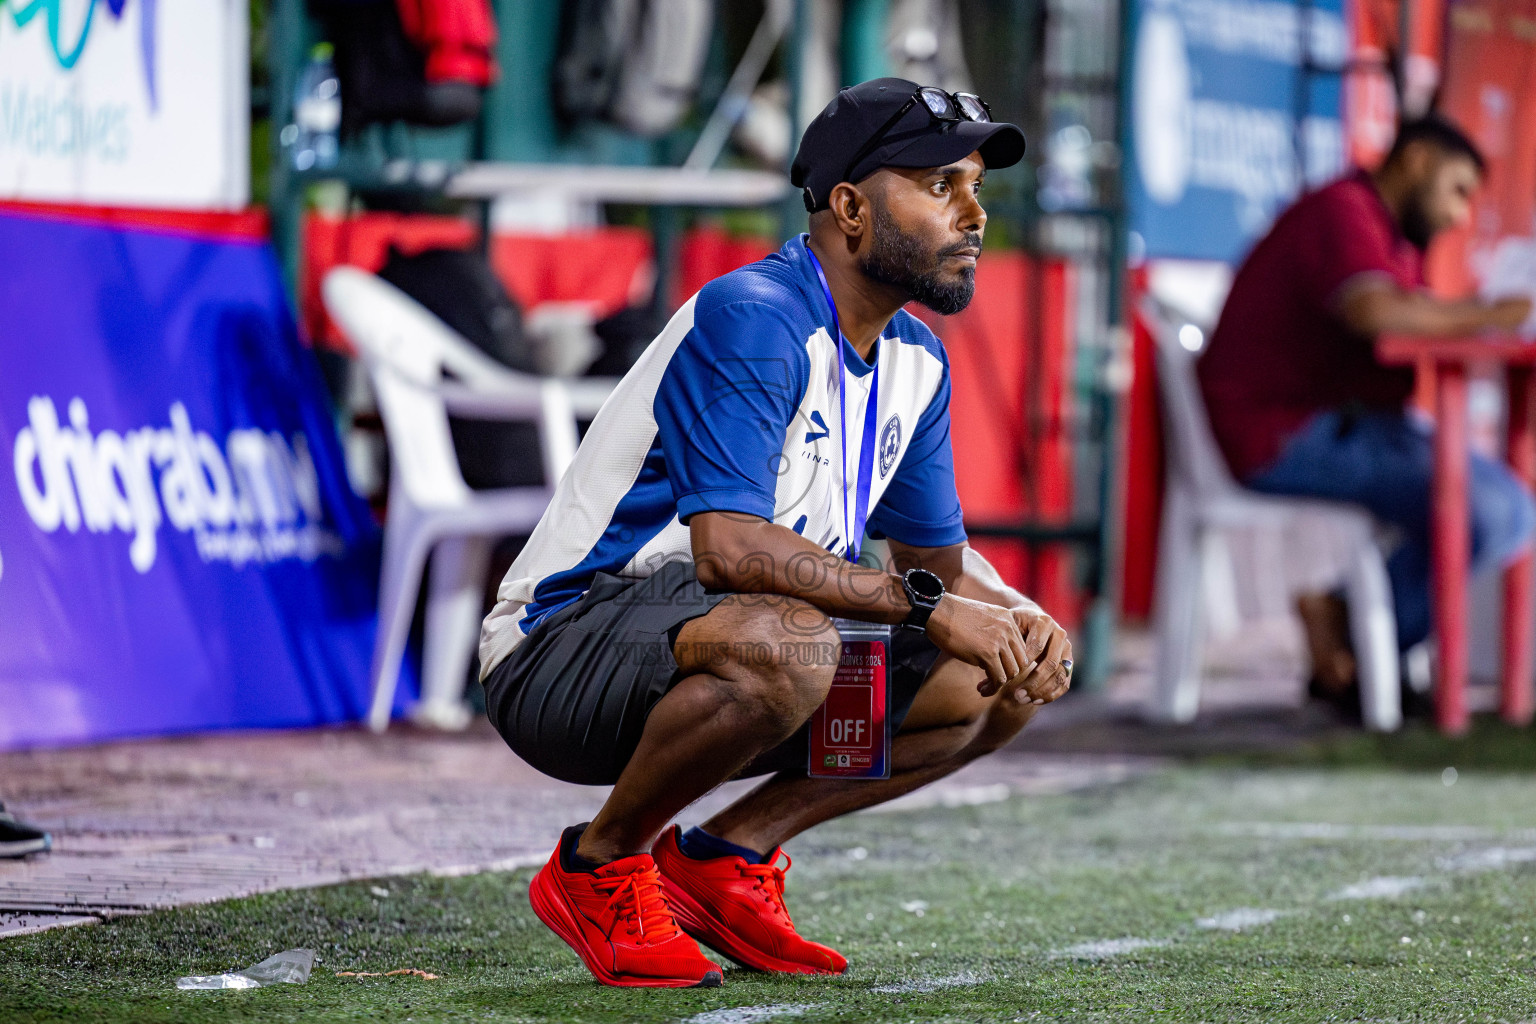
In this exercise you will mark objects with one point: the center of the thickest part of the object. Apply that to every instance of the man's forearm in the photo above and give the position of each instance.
(1376, 309)
(753, 556)
(965, 572)
(1426, 315)
(979, 581)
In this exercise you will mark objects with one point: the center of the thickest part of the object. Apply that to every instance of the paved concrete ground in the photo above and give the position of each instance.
(155, 823)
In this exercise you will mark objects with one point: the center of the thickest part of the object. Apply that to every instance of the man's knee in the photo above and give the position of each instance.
(1503, 519)
(961, 725)
(999, 723)
(775, 660)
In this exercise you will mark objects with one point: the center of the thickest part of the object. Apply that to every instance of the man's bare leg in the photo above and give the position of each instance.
(949, 726)
(731, 705)
(1325, 619)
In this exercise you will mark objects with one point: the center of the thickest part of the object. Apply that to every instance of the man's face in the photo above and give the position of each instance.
(926, 229)
(1442, 196)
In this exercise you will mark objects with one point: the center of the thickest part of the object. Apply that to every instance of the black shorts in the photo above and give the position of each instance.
(572, 698)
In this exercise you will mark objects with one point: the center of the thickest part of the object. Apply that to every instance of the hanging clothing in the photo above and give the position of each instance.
(457, 36)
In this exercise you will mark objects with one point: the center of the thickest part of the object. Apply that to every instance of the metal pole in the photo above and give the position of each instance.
(792, 209)
(284, 193)
(1099, 621)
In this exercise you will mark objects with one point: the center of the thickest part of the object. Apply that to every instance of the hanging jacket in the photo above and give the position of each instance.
(458, 38)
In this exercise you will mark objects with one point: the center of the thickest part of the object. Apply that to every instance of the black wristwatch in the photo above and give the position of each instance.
(924, 590)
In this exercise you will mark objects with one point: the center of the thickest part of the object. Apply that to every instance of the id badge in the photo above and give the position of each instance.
(851, 731)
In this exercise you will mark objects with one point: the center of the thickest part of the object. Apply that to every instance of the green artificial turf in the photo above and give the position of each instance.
(1489, 744)
(1084, 907)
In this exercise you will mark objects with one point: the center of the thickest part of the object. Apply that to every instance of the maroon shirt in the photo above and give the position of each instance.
(1282, 352)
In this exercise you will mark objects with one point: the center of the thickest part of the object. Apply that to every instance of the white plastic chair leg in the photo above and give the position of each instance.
(1373, 632)
(1273, 591)
(456, 592)
(1218, 585)
(406, 544)
(1179, 612)
(557, 430)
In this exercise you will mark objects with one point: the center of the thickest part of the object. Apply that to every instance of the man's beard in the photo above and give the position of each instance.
(900, 261)
(1416, 226)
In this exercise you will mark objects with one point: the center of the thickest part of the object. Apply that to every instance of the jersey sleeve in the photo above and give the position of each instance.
(724, 405)
(1348, 243)
(920, 506)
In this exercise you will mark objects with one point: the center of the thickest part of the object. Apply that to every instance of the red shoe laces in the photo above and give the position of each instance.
(636, 899)
(768, 879)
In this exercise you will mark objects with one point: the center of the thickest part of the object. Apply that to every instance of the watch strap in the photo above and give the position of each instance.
(922, 606)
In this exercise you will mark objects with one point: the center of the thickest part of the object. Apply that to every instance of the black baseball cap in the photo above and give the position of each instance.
(918, 139)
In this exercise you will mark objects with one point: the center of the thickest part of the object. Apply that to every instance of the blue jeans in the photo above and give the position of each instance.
(1384, 462)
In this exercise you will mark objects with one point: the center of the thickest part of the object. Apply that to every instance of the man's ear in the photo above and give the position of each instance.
(1419, 158)
(850, 210)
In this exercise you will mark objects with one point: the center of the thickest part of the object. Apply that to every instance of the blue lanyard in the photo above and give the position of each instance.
(854, 536)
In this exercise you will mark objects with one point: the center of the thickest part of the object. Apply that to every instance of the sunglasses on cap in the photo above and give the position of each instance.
(943, 107)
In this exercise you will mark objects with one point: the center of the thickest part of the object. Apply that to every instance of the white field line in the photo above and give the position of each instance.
(30, 924)
(1380, 888)
(748, 1014)
(1410, 833)
(934, 984)
(958, 796)
(1492, 859)
(1385, 887)
(505, 864)
(1237, 920)
(1103, 948)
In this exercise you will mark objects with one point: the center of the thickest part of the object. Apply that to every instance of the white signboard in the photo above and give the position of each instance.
(125, 102)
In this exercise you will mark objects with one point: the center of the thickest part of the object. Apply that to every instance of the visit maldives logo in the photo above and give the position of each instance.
(67, 52)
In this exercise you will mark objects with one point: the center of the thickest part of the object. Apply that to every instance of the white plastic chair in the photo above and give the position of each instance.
(410, 355)
(1201, 499)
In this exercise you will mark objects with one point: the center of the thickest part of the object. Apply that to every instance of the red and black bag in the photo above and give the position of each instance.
(419, 61)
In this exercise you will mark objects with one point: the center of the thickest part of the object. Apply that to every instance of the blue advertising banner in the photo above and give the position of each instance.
(179, 547)
(1233, 109)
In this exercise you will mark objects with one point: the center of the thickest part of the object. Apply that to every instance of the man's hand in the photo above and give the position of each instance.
(1021, 648)
(1047, 644)
(1509, 314)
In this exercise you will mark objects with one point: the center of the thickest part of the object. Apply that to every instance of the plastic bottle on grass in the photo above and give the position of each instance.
(316, 113)
(291, 966)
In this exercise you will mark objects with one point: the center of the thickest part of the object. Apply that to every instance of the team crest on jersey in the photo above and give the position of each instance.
(890, 444)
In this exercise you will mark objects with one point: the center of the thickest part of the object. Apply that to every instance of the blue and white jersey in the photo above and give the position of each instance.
(734, 408)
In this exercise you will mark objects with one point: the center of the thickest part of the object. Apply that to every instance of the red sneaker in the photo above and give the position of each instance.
(738, 908)
(619, 923)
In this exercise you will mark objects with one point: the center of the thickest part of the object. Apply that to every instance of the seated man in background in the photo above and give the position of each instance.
(1299, 404)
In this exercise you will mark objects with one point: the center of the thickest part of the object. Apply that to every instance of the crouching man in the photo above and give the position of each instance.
(669, 625)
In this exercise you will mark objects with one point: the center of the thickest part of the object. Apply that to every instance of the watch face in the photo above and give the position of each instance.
(925, 584)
